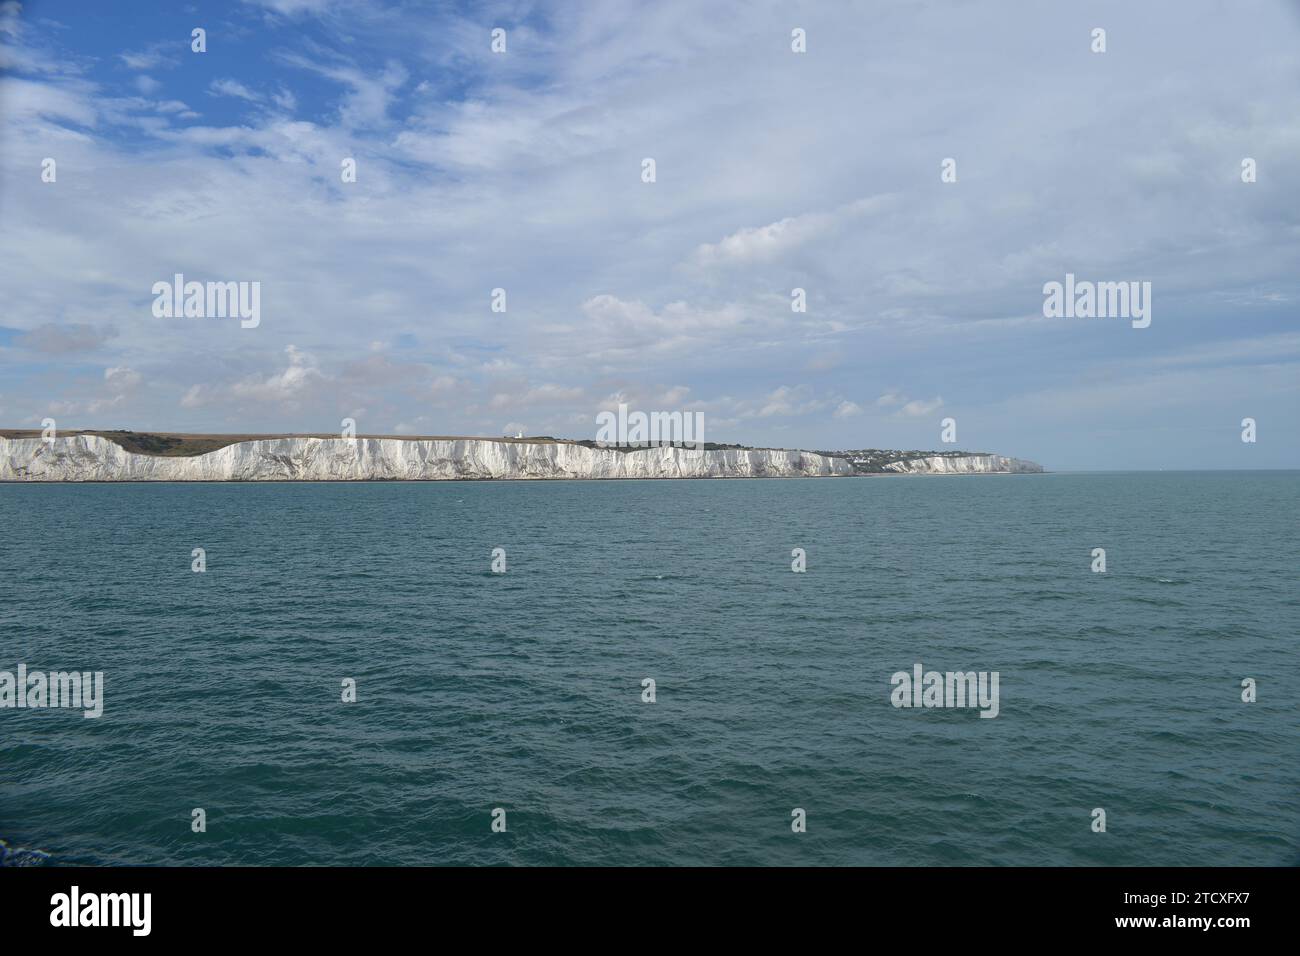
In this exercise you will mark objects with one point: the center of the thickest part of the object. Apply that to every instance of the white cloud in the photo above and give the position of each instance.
(766, 243)
(26, 101)
(623, 328)
(94, 406)
(285, 100)
(372, 91)
(121, 379)
(296, 7)
(673, 397)
(910, 408)
(548, 394)
(162, 55)
(285, 385)
(918, 408)
(10, 12)
(790, 401)
(229, 87)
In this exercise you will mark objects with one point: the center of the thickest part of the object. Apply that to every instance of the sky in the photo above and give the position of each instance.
(774, 170)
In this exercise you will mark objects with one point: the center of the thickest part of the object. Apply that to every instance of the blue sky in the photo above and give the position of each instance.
(775, 170)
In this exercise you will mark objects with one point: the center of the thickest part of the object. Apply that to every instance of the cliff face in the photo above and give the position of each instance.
(91, 458)
(965, 465)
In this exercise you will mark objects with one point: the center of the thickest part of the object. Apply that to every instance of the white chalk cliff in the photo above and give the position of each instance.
(92, 458)
(964, 465)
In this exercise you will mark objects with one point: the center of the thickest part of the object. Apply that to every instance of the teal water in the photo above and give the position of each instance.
(523, 691)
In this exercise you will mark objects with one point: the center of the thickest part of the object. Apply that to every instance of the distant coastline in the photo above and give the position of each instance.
(29, 455)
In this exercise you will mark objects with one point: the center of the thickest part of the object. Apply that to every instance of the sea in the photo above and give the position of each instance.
(503, 716)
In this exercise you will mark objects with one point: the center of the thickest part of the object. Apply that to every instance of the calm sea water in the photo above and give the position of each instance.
(523, 691)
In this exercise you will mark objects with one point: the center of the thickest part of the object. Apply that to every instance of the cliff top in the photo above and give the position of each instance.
(189, 444)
